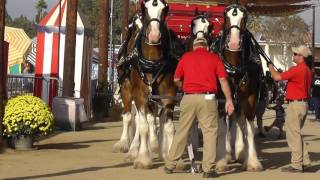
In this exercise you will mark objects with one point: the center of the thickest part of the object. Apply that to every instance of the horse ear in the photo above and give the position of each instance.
(196, 12)
(143, 8)
(166, 10)
(210, 27)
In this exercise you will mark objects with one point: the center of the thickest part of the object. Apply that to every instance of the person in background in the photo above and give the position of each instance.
(280, 117)
(260, 107)
(298, 92)
(316, 94)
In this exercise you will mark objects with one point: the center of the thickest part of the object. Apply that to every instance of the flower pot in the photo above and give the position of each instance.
(23, 142)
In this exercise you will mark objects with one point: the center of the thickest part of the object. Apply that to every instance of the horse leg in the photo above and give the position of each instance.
(153, 139)
(222, 161)
(253, 164)
(239, 144)
(123, 144)
(134, 147)
(167, 130)
(143, 160)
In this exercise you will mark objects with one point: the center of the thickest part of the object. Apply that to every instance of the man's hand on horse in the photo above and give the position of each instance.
(269, 63)
(229, 106)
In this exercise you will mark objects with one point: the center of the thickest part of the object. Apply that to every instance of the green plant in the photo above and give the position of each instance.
(27, 115)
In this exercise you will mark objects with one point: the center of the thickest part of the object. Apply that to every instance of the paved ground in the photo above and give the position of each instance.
(87, 155)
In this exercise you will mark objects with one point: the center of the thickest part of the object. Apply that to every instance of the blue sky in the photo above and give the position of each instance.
(27, 8)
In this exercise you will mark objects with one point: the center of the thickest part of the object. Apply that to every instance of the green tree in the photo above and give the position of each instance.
(290, 29)
(91, 9)
(40, 6)
(255, 24)
(24, 23)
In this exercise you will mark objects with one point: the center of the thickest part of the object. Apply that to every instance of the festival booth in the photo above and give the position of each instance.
(18, 50)
(50, 50)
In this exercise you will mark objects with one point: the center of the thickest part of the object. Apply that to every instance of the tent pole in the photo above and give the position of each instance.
(313, 30)
(58, 75)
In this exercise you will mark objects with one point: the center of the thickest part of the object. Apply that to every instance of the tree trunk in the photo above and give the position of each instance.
(70, 49)
(125, 14)
(103, 44)
(2, 26)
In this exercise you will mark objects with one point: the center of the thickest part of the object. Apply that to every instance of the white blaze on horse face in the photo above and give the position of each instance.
(154, 12)
(200, 26)
(234, 43)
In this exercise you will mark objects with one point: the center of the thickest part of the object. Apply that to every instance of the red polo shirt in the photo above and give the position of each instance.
(299, 82)
(199, 70)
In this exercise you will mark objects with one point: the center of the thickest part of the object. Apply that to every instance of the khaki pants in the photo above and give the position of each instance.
(205, 110)
(295, 117)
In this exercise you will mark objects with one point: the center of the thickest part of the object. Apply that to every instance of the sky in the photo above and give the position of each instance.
(27, 8)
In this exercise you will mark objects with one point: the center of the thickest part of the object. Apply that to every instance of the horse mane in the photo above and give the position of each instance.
(123, 49)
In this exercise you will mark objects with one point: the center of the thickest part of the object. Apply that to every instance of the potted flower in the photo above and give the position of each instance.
(25, 118)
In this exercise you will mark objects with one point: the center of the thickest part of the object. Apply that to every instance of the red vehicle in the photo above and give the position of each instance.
(182, 12)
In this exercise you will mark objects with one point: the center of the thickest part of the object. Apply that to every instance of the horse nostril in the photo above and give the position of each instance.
(235, 12)
(203, 20)
(155, 3)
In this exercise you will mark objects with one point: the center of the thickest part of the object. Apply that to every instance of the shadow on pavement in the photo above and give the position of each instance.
(75, 171)
(71, 145)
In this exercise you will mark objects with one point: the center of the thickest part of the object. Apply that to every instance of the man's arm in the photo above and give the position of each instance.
(178, 82)
(227, 93)
(274, 74)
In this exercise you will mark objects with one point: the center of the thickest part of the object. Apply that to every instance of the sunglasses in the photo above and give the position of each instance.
(296, 54)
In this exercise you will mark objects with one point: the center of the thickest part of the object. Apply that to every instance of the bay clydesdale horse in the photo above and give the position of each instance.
(245, 72)
(151, 73)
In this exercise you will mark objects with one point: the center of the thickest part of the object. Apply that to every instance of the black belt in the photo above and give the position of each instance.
(207, 92)
(298, 100)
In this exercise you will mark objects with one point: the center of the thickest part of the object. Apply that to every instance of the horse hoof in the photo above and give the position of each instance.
(142, 164)
(222, 169)
(120, 147)
(222, 166)
(255, 169)
(181, 166)
(131, 156)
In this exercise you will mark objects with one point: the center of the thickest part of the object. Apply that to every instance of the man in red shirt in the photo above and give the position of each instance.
(298, 91)
(199, 71)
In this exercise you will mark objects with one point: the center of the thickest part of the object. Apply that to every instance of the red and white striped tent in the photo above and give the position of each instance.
(50, 55)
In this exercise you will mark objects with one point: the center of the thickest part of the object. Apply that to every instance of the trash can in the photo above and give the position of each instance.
(69, 113)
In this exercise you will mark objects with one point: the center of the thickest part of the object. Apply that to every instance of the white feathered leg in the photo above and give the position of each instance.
(253, 164)
(239, 144)
(134, 147)
(144, 159)
(168, 133)
(123, 144)
(222, 162)
(153, 139)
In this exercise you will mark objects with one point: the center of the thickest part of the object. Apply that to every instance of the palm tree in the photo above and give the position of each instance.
(41, 4)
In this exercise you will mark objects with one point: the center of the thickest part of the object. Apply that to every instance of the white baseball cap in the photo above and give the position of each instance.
(200, 40)
(302, 50)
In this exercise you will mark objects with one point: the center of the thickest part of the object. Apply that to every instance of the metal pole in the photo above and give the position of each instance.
(70, 49)
(59, 38)
(111, 41)
(313, 30)
(2, 27)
